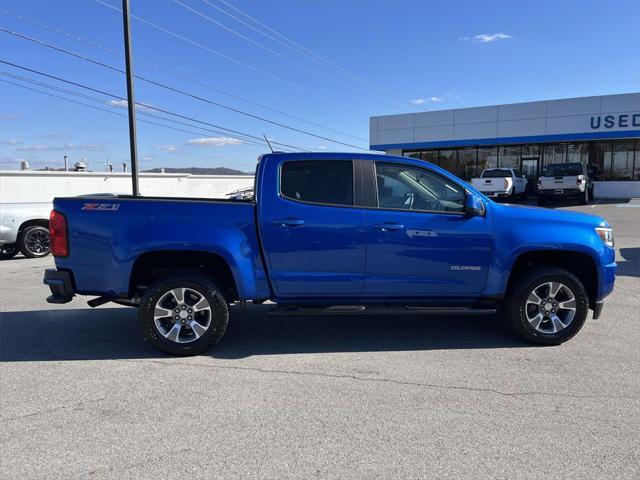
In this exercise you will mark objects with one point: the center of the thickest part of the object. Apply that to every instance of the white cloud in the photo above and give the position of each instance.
(147, 158)
(422, 101)
(9, 116)
(121, 103)
(11, 141)
(38, 147)
(169, 148)
(487, 37)
(214, 141)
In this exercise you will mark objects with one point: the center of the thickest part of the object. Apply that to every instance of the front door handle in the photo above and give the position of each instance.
(289, 222)
(388, 227)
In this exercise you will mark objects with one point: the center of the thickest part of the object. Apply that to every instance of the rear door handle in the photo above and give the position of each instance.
(387, 227)
(289, 222)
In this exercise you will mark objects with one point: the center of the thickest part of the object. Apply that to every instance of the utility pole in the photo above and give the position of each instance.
(130, 98)
(66, 164)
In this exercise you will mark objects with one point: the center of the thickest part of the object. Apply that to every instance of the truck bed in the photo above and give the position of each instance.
(108, 233)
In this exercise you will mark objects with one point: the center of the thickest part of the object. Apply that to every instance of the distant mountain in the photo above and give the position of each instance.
(200, 171)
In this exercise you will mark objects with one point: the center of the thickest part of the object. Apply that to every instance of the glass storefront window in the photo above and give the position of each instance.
(622, 161)
(448, 161)
(415, 155)
(554, 154)
(510, 157)
(636, 159)
(487, 158)
(430, 156)
(467, 163)
(578, 152)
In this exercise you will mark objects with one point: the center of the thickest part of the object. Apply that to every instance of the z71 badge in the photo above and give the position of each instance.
(103, 207)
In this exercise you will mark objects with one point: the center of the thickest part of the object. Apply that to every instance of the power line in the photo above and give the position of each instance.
(299, 51)
(182, 92)
(152, 107)
(254, 42)
(165, 70)
(69, 100)
(215, 52)
(302, 50)
(204, 131)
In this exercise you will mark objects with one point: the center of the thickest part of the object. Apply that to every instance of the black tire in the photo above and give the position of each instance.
(33, 241)
(584, 197)
(515, 306)
(8, 251)
(194, 282)
(541, 201)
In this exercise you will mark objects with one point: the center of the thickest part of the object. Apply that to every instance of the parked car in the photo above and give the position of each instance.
(501, 183)
(332, 234)
(24, 227)
(561, 181)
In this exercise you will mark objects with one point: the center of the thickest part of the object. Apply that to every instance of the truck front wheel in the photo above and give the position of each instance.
(183, 314)
(546, 305)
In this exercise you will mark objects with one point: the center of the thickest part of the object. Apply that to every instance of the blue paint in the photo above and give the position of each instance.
(567, 137)
(328, 252)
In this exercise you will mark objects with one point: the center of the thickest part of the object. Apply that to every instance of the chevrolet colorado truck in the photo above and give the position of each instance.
(501, 183)
(332, 234)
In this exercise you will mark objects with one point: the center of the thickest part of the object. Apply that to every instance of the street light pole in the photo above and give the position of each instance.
(130, 99)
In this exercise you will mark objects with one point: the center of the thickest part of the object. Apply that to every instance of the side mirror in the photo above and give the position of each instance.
(473, 205)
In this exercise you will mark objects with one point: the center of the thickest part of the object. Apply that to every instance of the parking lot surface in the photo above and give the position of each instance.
(83, 396)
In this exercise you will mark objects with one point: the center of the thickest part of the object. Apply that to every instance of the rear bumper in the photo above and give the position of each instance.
(561, 193)
(60, 283)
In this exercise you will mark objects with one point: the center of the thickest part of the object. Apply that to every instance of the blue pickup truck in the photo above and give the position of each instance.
(332, 234)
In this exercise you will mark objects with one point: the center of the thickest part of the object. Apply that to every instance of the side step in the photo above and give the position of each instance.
(285, 311)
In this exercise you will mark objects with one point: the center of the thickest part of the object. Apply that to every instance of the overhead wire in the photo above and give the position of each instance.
(179, 91)
(167, 71)
(152, 107)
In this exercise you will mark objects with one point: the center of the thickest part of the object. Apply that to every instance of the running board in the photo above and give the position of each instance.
(379, 310)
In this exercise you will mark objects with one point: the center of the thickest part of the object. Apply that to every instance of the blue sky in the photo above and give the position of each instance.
(351, 60)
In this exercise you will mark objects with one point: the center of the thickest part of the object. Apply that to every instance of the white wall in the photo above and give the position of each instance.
(614, 190)
(18, 186)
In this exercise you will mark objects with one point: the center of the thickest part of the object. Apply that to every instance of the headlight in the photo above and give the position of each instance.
(606, 235)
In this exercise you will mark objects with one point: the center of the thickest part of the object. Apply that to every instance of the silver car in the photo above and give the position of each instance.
(24, 227)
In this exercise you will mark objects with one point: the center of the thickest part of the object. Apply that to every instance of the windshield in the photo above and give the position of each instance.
(563, 170)
(496, 173)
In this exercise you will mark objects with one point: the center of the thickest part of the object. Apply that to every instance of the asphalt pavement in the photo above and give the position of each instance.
(84, 396)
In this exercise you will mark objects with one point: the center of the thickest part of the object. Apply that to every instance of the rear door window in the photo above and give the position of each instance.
(327, 182)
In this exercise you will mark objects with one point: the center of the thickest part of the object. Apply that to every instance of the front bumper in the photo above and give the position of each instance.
(61, 285)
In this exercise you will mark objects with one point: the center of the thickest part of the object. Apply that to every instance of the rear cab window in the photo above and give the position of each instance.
(496, 173)
(325, 182)
(564, 170)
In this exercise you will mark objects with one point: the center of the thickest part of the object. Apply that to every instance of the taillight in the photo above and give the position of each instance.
(58, 234)
(506, 184)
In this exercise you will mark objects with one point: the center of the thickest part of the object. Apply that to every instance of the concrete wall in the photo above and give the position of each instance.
(613, 190)
(42, 187)
(609, 116)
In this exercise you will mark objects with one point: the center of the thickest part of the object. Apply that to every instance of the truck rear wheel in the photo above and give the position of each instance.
(33, 241)
(183, 314)
(8, 250)
(584, 197)
(547, 305)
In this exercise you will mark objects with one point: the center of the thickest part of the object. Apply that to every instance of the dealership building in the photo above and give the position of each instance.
(602, 131)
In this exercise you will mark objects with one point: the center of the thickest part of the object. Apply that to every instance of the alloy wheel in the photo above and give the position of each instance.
(182, 315)
(550, 307)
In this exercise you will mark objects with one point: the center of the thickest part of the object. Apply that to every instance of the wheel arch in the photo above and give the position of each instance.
(40, 222)
(581, 264)
(151, 265)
